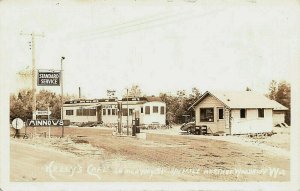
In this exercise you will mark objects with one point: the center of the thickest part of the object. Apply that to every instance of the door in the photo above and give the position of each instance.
(221, 119)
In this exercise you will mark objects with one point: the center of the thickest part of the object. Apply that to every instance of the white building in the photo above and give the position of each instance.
(78, 111)
(234, 112)
(149, 110)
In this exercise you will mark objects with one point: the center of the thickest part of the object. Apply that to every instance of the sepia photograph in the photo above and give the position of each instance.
(149, 95)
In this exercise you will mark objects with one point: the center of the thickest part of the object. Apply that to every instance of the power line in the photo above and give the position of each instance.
(116, 26)
(152, 18)
(134, 29)
(134, 23)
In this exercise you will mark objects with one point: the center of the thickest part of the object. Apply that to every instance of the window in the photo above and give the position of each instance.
(92, 112)
(69, 112)
(261, 113)
(103, 111)
(108, 111)
(206, 114)
(162, 110)
(147, 110)
(124, 112)
(113, 112)
(79, 112)
(221, 113)
(142, 109)
(86, 112)
(130, 111)
(155, 109)
(243, 113)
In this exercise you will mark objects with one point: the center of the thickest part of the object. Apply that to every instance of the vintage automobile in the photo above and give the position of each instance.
(188, 127)
(191, 128)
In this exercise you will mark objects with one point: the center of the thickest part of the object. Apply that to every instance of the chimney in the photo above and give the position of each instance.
(79, 93)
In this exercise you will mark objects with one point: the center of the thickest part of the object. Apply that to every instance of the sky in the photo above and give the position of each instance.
(162, 46)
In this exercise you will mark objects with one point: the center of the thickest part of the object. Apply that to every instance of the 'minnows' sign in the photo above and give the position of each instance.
(45, 122)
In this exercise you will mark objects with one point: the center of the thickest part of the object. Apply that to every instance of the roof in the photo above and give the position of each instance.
(90, 101)
(153, 98)
(245, 99)
(278, 106)
(137, 99)
(147, 99)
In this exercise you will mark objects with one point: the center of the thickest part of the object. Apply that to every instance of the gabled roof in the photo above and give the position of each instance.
(245, 99)
(278, 106)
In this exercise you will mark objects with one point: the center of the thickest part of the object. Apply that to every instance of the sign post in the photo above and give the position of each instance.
(53, 78)
(48, 113)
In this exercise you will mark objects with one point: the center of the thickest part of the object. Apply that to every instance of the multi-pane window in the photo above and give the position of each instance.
(243, 113)
(142, 110)
(147, 110)
(155, 109)
(103, 111)
(86, 112)
(113, 112)
(162, 110)
(206, 114)
(261, 113)
(69, 112)
(108, 111)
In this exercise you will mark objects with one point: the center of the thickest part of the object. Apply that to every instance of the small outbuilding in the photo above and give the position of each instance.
(235, 112)
(279, 112)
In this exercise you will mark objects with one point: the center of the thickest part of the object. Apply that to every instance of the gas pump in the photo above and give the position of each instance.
(135, 123)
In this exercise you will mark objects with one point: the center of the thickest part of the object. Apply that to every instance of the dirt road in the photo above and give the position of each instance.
(164, 157)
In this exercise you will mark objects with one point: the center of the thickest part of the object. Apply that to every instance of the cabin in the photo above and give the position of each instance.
(234, 112)
(149, 110)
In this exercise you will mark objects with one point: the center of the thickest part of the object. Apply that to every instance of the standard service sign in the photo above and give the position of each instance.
(48, 78)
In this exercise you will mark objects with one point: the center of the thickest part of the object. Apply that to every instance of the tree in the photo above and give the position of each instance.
(177, 106)
(272, 90)
(283, 96)
(281, 92)
(21, 105)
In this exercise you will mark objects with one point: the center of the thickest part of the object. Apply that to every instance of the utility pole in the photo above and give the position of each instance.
(62, 95)
(127, 113)
(33, 35)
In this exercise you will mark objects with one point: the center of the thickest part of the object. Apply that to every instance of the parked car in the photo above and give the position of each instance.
(191, 128)
(188, 127)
